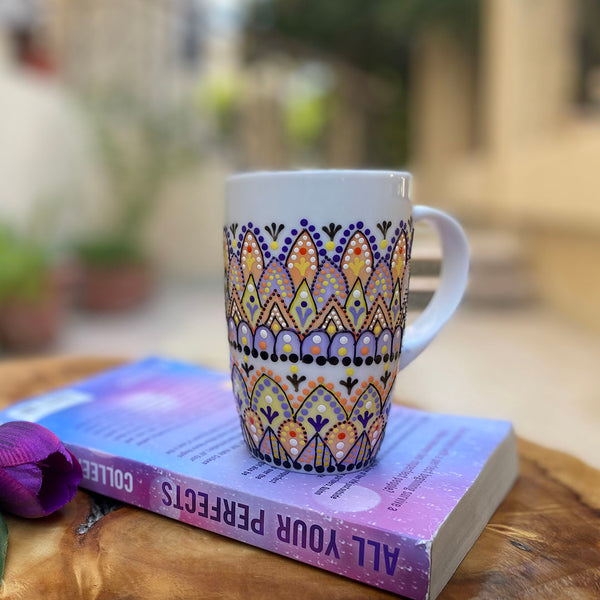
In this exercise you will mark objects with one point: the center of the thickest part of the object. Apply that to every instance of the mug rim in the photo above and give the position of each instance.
(318, 173)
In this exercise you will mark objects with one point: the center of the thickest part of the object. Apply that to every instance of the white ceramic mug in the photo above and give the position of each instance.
(317, 270)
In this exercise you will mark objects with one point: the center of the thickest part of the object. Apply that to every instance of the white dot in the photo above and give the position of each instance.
(376, 433)
(290, 265)
(259, 267)
(268, 399)
(368, 404)
(340, 445)
(250, 288)
(353, 243)
(367, 262)
(304, 237)
(368, 269)
(365, 247)
(230, 325)
(300, 243)
(312, 259)
(253, 428)
(321, 408)
(313, 267)
(366, 340)
(356, 294)
(385, 337)
(317, 339)
(293, 442)
(343, 340)
(303, 294)
(339, 454)
(255, 438)
(361, 240)
(244, 329)
(287, 337)
(345, 266)
(311, 251)
(263, 334)
(254, 244)
(294, 257)
(294, 451)
(347, 259)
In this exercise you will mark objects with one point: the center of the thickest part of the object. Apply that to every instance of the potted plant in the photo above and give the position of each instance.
(30, 298)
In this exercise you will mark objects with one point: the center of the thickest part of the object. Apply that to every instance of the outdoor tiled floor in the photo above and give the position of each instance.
(527, 365)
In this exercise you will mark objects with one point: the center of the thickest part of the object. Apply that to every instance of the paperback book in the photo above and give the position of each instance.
(165, 436)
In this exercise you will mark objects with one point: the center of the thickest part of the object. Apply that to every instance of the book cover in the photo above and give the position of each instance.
(165, 436)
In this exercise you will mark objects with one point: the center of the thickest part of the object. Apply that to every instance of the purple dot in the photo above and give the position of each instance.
(303, 304)
(267, 254)
(281, 397)
(304, 222)
(319, 243)
(260, 238)
(377, 256)
(401, 223)
(339, 249)
(320, 391)
(294, 232)
(288, 240)
(261, 387)
(368, 231)
(240, 237)
(351, 226)
(317, 235)
(264, 246)
(372, 239)
(250, 225)
(243, 228)
(304, 411)
(256, 231)
(359, 404)
(397, 231)
(311, 228)
(342, 240)
(357, 303)
(282, 257)
(360, 224)
(287, 414)
(322, 252)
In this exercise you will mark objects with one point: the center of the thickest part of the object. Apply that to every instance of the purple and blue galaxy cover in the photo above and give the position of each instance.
(165, 436)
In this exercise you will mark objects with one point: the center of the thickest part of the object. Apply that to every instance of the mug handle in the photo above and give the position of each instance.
(453, 281)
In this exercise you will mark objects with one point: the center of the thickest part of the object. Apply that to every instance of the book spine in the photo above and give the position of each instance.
(373, 556)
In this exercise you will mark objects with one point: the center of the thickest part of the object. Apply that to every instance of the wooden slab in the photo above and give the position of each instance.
(543, 542)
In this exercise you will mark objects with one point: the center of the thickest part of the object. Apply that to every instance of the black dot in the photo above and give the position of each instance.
(307, 359)
(246, 350)
(359, 465)
(321, 360)
(286, 464)
(346, 361)
(308, 468)
(341, 468)
(378, 359)
(260, 455)
(254, 353)
(303, 304)
(268, 457)
(319, 469)
(358, 361)
(274, 357)
(386, 357)
(330, 469)
(334, 360)
(357, 303)
(252, 298)
(294, 358)
(369, 360)
(283, 357)
(297, 466)
(264, 355)
(350, 467)
(277, 461)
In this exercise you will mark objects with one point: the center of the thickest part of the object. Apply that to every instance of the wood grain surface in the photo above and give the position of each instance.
(543, 542)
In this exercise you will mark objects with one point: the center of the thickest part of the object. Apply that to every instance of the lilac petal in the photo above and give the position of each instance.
(61, 476)
(22, 442)
(29, 476)
(17, 499)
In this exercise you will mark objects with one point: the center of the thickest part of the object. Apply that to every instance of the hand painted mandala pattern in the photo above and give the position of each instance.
(297, 299)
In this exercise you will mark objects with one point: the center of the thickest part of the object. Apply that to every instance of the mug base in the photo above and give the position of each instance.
(319, 469)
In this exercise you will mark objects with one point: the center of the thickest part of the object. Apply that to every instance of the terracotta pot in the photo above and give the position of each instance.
(116, 287)
(27, 326)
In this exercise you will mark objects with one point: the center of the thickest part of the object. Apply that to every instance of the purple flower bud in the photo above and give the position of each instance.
(38, 475)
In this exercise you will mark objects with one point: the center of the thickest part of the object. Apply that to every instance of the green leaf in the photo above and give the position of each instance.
(3, 544)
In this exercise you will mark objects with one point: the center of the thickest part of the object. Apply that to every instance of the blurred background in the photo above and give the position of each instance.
(119, 120)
